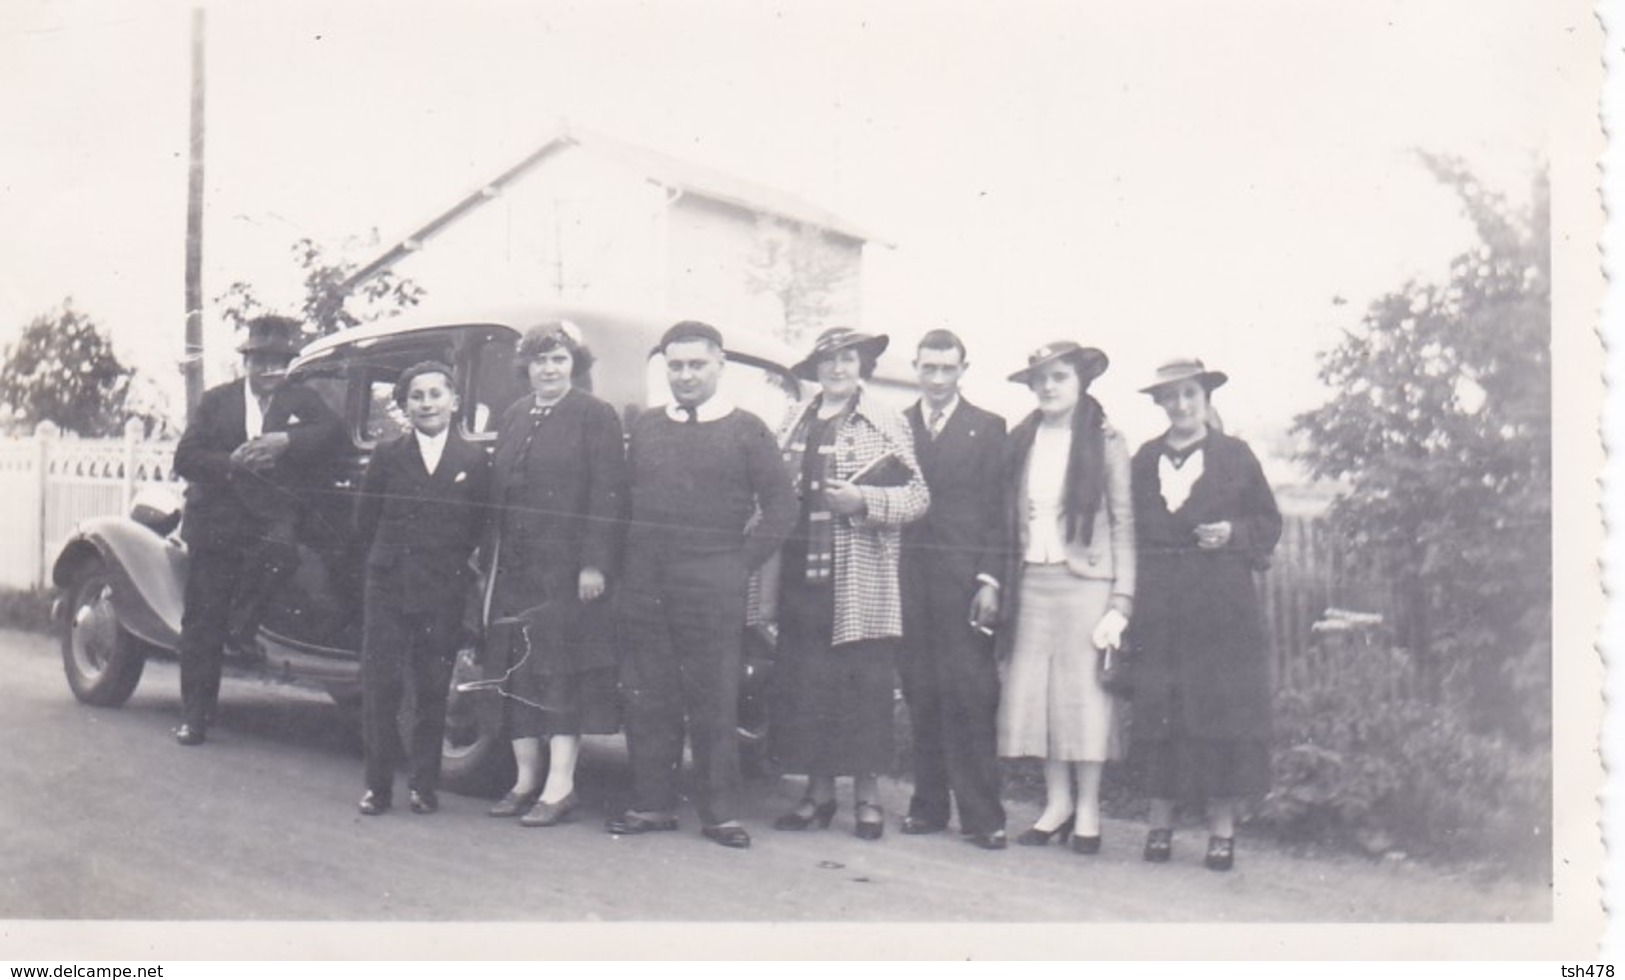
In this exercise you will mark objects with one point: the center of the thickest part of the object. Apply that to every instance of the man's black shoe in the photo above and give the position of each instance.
(728, 835)
(917, 825)
(993, 840)
(424, 801)
(374, 803)
(632, 822)
(189, 734)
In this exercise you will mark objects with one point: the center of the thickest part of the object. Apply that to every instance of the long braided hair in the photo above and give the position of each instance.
(1085, 485)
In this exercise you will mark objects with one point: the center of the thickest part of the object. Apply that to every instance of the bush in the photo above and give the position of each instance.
(26, 610)
(1362, 760)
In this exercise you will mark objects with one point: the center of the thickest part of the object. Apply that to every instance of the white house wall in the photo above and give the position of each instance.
(582, 227)
(575, 228)
(708, 262)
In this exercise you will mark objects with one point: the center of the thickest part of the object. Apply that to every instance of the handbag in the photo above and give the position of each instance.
(1117, 671)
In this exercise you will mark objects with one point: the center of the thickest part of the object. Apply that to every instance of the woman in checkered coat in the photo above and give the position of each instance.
(840, 610)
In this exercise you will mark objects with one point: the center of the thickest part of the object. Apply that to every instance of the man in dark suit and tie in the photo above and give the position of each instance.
(419, 517)
(245, 453)
(951, 558)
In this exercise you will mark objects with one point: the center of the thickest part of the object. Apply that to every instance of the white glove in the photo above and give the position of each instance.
(1108, 634)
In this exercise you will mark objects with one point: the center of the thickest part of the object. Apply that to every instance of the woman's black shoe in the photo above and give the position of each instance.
(869, 829)
(515, 804)
(1033, 837)
(1159, 845)
(805, 815)
(1085, 845)
(1221, 853)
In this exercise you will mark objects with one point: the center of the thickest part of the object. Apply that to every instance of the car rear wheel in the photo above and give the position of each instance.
(475, 759)
(102, 659)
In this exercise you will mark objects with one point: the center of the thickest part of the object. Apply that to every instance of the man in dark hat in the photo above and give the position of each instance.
(951, 560)
(710, 503)
(242, 456)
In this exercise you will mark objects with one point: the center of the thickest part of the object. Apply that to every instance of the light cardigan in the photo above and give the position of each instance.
(868, 600)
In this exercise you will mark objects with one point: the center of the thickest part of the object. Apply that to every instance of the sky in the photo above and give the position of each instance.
(1153, 179)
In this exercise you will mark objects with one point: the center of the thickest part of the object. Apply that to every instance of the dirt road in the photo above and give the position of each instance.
(104, 817)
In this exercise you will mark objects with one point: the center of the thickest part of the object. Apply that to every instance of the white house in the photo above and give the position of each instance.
(590, 219)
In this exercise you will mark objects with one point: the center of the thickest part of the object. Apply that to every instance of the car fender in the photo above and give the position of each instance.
(148, 573)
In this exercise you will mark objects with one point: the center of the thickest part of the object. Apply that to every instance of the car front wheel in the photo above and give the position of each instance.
(102, 659)
(475, 759)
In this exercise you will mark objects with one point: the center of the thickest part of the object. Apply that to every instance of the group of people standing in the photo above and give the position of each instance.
(1048, 551)
(992, 572)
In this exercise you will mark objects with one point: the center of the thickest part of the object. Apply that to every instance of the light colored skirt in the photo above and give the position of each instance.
(1053, 706)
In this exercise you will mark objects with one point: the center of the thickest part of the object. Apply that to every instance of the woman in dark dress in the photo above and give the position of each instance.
(1206, 520)
(560, 490)
(839, 601)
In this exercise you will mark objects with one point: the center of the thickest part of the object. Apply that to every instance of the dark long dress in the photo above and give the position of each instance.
(561, 490)
(1201, 724)
(832, 705)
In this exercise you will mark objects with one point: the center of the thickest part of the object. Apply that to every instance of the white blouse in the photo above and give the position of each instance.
(1046, 486)
(1178, 478)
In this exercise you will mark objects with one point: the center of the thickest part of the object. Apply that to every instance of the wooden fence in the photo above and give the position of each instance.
(50, 483)
(1324, 619)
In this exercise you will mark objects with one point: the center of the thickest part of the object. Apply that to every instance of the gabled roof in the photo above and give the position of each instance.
(658, 168)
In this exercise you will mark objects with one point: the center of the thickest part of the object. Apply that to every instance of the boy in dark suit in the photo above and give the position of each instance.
(950, 602)
(419, 517)
(245, 452)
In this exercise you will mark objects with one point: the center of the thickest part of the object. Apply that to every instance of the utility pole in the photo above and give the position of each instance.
(193, 363)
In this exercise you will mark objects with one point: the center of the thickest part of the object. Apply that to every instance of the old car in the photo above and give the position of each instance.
(121, 577)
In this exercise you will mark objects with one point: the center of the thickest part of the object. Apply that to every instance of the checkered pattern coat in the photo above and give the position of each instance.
(868, 602)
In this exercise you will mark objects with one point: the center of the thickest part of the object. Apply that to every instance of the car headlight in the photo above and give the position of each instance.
(156, 507)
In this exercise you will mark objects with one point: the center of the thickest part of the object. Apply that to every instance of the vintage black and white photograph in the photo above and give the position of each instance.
(925, 472)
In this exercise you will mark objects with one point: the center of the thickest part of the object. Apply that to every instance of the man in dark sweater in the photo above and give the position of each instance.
(710, 503)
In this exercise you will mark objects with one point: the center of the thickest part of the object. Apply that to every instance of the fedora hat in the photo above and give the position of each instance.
(274, 335)
(1091, 361)
(838, 339)
(1183, 369)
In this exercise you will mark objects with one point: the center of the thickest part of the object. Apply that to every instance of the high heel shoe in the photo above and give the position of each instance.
(871, 829)
(806, 814)
(1221, 853)
(1085, 845)
(1034, 837)
(515, 804)
(550, 814)
(1159, 845)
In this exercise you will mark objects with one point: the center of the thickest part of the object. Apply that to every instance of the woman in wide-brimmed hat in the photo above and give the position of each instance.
(840, 608)
(1206, 520)
(560, 495)
(1070, 589)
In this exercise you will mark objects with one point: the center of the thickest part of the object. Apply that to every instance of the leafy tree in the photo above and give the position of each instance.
(800, 266)
(63, 370)
(1440, 433)
(325, 305)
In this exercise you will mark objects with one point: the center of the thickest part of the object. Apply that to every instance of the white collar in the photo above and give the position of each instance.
(432, 447)
(253, 416)
(713, 408)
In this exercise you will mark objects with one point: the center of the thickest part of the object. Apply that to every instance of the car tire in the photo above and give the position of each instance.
(103, 660)
(476, 759)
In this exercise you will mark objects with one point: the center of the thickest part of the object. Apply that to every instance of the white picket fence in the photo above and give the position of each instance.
(49, 483)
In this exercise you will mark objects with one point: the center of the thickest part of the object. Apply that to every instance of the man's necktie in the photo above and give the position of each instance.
(935, 422)
(690, 413)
